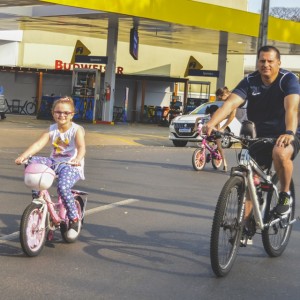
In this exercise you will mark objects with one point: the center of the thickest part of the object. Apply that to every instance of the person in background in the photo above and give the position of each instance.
(240, 112)
(222, 93)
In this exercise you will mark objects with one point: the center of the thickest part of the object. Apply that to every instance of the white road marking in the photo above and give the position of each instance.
(91, 211)
(109, 206)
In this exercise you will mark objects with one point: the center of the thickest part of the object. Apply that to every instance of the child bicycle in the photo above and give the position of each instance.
(228, 232)
(206, 152)
(43, 216)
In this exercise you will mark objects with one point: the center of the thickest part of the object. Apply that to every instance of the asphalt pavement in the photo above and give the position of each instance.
(22, 130)
(147, 228)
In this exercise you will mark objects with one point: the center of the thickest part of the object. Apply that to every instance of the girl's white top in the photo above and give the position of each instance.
(64, 147)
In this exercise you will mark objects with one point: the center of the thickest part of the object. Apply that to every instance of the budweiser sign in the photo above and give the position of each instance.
(60, 65)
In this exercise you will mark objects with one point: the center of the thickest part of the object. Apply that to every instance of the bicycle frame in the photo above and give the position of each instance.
(205, 144)
(57, 210)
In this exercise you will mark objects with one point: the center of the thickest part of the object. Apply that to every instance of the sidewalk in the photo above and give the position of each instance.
(21, 130)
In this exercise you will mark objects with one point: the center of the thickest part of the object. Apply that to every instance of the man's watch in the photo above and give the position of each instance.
(290, 132)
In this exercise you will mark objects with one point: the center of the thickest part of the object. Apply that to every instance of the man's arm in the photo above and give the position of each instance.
(222, 113)
(291, 104)
(229, 120)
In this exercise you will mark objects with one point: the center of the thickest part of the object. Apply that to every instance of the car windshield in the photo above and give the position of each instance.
(202, 108)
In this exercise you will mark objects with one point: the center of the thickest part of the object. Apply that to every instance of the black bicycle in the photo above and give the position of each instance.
(228, 232)
(15, 106)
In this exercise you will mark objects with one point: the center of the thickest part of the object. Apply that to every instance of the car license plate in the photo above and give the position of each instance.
(184, 129)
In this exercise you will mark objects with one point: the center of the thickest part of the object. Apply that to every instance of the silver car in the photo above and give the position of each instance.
(181, 128)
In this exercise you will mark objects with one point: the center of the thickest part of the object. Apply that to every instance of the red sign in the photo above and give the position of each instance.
(60, 65)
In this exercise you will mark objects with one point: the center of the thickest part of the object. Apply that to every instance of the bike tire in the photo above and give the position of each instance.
(199, 159)
(30, 108)
(276, 238)
(64, 227)
(32, 241)
(216, 163)
(227, 226)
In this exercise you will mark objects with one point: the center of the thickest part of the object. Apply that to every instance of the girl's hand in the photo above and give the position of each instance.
(20, 159)
(75, 162)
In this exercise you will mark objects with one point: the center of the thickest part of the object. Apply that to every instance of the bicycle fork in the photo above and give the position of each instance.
(44, 210)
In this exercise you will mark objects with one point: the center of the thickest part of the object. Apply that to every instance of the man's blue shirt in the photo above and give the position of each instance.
(265, 105)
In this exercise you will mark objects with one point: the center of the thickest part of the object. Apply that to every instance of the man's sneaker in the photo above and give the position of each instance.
(246, 241)
(73, 229)
(283, 205)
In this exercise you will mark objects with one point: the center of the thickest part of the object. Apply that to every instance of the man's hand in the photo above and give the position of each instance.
(207, 129)
(284, 140)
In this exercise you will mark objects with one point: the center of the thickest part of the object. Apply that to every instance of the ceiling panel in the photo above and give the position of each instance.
(155, 33)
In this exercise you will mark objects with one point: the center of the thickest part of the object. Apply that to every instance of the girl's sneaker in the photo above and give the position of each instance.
(73, 229)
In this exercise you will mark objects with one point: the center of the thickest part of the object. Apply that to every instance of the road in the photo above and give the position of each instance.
(147, 229)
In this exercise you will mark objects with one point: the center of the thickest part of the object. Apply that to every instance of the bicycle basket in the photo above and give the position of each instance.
(38, 176)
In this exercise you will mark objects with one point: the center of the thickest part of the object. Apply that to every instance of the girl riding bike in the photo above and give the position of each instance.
(68, 145)
(211, 110)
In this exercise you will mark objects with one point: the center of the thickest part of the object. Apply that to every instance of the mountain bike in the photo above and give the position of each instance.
(206, 152)
(43, 216)
(229, 231)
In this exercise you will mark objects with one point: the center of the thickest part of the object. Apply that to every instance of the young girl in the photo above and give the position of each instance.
(68, 145)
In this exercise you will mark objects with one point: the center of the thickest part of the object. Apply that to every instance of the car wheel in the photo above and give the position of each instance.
(226, 141)
(179, 143)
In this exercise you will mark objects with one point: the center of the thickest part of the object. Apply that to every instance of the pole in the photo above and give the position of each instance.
(263, 26)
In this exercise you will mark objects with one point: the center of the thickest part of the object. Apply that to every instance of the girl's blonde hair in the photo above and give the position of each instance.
(64, 100)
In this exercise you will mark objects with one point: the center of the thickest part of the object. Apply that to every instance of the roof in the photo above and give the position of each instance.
(179, 24)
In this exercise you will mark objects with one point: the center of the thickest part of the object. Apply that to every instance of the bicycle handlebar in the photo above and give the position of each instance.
(25, 161)
(243, 139)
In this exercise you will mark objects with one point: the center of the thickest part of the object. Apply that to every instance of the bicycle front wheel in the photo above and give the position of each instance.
(227, 226)
(216, 160)
(32, 231)
(30, 108)
(199, 159)
(276, 237)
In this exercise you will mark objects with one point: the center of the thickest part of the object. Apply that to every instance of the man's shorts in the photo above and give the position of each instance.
(262, 152)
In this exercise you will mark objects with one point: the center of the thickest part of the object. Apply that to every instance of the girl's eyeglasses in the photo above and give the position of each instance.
(63, 113)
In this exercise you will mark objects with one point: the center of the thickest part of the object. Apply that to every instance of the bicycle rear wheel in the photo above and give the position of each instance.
(32, 232)
(216, 160)
(227, 226)
(276, 237)
(199, 159)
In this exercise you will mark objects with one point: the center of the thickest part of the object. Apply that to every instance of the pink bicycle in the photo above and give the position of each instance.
(43, 216)
(207, 152)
